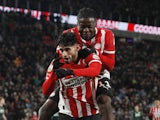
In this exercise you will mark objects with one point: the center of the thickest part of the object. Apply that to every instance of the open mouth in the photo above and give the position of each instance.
(66, 59)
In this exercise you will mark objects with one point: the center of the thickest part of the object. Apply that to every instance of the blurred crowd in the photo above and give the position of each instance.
(136, 11)
(135, 78)
(26, 49)
(27, 46)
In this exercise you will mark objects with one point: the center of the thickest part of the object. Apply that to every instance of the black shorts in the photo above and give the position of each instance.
(67, 117)
(104, 87)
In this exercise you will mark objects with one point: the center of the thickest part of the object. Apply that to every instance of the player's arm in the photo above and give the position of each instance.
(50, 81)
(51, 78)
(49, 84)
(108, 55)
(92, 61)
(93, 69)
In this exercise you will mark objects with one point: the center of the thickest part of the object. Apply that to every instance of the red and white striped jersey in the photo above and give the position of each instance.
(78, 93)
(104, 43)
(89, 67)
(155, 113)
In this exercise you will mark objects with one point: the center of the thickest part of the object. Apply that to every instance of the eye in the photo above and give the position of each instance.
(61, 50)
(67, 49)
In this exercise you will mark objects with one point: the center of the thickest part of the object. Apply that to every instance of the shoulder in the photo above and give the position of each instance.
(74, 29)
(92, 58)
(107, 31)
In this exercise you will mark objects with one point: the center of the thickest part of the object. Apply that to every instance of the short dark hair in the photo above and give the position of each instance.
(67, 39)
(86, 13)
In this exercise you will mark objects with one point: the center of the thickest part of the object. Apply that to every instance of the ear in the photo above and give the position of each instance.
(78, 47)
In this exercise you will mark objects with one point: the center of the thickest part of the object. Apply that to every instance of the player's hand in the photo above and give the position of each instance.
(83, 53)
(56, 62)
(63, 72)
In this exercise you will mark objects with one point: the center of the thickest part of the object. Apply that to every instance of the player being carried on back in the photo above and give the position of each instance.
(88, 35)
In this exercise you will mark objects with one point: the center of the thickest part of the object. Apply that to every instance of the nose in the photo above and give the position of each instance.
(86, 29)
(64, 53)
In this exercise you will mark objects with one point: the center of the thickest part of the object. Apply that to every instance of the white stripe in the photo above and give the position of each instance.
(96, 82)
(83, 92)
(79, 108)
(102, 40)
(109, 52)
(75, 93)
(93, 95)
(78, 103)
(93, 40)
(67, 106)
(63, 105)
(88, 105)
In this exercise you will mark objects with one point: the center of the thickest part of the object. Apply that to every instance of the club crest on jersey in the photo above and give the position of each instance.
(97, 46)
(95, 56)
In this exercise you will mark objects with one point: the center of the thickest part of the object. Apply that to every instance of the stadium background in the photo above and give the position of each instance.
(27, 46)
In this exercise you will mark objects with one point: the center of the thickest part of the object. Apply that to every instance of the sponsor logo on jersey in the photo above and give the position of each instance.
(96, 56)
(74, 81)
